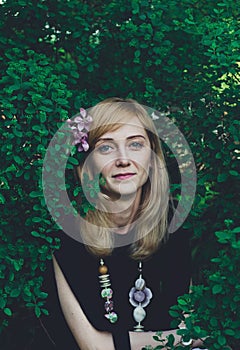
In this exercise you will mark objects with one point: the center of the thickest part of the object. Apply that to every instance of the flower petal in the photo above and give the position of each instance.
(79, 127)
(85, 146)
(83, 112)
(148, 294)
(80, 148)
(89, 119)
(131, 297)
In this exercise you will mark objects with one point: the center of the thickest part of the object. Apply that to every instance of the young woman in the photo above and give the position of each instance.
(116, 283)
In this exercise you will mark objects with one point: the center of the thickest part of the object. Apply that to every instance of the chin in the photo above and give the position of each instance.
(128, 188)
(124, 192)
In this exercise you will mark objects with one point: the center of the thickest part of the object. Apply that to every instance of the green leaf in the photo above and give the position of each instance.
(182, 301)
(230, 332)
(197, 329)
(233, 173)
(174, 313)
(221, 340)
(35, 234)
(11, 276)
(74, 74)
(170, 339)
(17, 265)
(43, 117)
(36, 219)
(43, 295)
(214, 322)
(217, 288)
(45, 311)
(2, 199)
(35, 194)
(49, 239)
(37, 311)
(155, 337)
(73, 161)
(45, 109)
(15, 292)
(17, 133)
(7, 311)
(222, 177)
(27, 291)
(37, 128)
(3, 302)
(223, 235)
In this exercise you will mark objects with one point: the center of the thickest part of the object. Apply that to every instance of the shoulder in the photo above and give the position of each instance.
(71, 253)
(73, 256)
(68, 245)
(179, 237)
(176, 249)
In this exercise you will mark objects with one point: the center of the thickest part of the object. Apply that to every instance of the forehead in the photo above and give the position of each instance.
(126, 129)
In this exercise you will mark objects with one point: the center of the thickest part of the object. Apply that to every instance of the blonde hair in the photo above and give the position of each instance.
(150, 223)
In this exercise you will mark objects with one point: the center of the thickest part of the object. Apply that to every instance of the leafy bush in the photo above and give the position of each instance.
(181, 60)
(30, 90)
(212, 310)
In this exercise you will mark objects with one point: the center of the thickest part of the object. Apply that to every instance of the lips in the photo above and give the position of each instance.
(123, 176)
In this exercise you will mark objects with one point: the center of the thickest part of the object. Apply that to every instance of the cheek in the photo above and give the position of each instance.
(105, 171)
(101, 166)
(145, 161)
(92, 166)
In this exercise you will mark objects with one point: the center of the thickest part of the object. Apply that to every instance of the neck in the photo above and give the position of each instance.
(123, 211)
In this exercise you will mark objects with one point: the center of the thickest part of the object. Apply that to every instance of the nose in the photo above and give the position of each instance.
(122, 159)
(122, 162)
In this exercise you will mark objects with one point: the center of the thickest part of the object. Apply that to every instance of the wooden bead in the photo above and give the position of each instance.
(103, 269)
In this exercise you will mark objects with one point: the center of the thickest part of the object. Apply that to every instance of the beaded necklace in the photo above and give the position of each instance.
(139, 296)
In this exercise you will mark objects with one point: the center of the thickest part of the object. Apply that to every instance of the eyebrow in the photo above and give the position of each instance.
(128, 138)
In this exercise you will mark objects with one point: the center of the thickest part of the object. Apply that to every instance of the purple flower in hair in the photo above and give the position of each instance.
(83, 120)
(81, 140)
(80, 126)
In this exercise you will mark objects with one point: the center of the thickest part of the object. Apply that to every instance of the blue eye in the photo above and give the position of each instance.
(104, 148)
(136, 145)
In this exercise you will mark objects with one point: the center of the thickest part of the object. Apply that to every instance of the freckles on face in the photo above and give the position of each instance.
(123, 157)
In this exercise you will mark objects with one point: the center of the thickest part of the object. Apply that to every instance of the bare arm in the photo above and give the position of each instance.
(140, 339)
(86, 336)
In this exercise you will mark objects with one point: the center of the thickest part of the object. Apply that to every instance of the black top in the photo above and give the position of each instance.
(167, 274)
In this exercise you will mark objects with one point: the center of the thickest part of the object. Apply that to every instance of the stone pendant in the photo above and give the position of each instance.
(139, 297)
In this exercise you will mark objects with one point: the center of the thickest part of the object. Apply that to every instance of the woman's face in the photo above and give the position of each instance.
(123, 157)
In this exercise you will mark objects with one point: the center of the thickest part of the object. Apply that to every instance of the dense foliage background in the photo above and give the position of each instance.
(182, 59)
